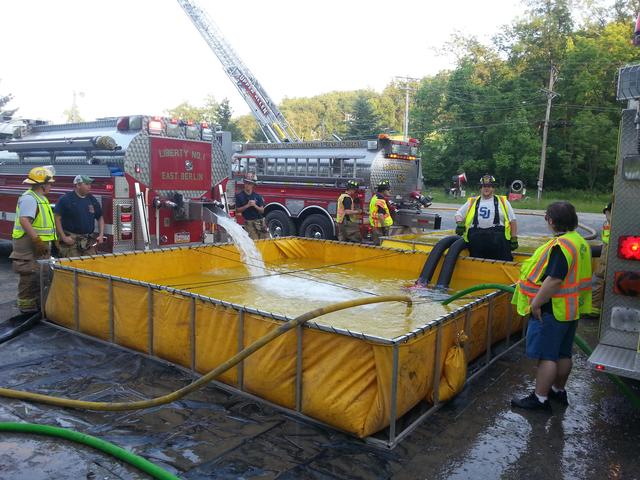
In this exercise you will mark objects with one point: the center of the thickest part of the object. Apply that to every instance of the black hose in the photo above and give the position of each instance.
(449, 263)
(434, 257)
(33, 319)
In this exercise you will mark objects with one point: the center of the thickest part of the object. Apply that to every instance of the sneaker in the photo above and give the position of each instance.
(560, 397)
(531, 402)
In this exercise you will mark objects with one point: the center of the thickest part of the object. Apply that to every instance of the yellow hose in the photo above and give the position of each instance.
(205, 379)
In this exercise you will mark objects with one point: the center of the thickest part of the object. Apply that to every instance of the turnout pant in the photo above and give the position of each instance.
(489, 243)
(349, 232)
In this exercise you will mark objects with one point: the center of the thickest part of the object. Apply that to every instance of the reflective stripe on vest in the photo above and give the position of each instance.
(340, 212)
(374, 207)
(606, 233)
(502, 201)
(43, 224)
(574, 296)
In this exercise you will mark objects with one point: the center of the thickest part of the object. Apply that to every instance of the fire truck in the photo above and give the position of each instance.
(618, 350)
(300, 182)
(157, 179)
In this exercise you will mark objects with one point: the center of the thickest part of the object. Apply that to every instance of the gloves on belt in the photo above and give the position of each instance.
(41, 249)
(460, 229)
(513, 243)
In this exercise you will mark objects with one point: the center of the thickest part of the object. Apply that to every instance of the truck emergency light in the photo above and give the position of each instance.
(629, 247)
(155, 126)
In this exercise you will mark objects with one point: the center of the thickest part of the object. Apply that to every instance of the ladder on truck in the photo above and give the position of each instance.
(274, 126)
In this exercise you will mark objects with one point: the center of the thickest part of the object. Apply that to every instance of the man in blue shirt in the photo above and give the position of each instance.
(251, 205)
(75, 215)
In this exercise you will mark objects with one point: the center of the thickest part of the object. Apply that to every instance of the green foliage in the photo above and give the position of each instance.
(486, 114)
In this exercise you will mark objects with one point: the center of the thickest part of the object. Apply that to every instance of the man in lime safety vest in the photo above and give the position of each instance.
(379, 212)
(488, 223)
(347, 215)
(555, 291)
(34, 230)
(598, 275)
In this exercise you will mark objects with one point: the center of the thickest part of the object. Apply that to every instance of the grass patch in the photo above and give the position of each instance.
(584, 201)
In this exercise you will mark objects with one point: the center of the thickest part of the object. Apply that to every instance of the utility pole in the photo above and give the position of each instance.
(553, 76)
(405, 81)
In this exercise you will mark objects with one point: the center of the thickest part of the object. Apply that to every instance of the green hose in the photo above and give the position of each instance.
(106, 447)
(482, 286)
(579, 341)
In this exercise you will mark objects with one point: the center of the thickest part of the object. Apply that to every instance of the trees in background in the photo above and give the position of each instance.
(487, 113)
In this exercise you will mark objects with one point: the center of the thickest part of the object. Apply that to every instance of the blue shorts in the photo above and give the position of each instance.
(550, 339)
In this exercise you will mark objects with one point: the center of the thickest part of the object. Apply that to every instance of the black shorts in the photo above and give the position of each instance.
(489, 243)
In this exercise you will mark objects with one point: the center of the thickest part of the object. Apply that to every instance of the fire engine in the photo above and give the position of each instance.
(301, 182)
(158, 179)
(618, 350)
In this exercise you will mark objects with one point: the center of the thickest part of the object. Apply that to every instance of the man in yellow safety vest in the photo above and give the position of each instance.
(347, 215)
(34, 230)
(488, 223)
(379, 212)
(555, 290)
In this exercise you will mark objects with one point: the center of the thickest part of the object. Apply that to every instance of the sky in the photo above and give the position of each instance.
(145, 56)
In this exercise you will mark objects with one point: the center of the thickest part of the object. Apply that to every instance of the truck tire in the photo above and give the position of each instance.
(317, 226)
(280, 224)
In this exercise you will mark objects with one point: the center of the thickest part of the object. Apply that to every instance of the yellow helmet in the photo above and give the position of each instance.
(40, 175)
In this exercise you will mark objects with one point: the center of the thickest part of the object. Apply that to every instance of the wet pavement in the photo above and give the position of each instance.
(216, 434)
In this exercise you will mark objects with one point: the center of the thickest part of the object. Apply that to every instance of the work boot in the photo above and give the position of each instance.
(531, 402)
(560, 397)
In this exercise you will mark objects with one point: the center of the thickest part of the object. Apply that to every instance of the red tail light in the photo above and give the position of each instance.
(126, 217)
(629, 247)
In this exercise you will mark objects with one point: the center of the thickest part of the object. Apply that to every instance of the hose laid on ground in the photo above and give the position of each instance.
(205, 379)
(29, 323)
(578, 340)
(449, 263)
(102, 445)
(432, 260)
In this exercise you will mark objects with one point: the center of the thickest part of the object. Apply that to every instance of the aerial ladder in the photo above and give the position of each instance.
(274, 126)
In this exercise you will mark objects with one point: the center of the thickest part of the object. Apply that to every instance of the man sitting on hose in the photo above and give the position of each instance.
(488, 223)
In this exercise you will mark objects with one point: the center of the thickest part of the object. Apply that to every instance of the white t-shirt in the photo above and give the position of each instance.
(486, 212)
(28, 206)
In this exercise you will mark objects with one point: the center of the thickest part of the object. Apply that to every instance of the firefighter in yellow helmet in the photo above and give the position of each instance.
(555, 291)
(34, 230)
(488, 223)
(348, 215)
(379, 212)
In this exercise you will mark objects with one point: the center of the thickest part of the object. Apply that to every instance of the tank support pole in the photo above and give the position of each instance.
(42, 288)
(76, 302)
(437, 366)
(112, 330)
(150, 318)
(240, 348)
(299, 369)
(489, 329)
(467, 330)
(394, 394)
(509, 322)
(192, 332)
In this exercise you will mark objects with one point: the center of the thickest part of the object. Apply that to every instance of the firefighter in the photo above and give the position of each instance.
(555, 290)
(76, 213)
(488, 223)
(348, 216)
(33, 232)
(379, 212)
(251, 205)
(598, 275)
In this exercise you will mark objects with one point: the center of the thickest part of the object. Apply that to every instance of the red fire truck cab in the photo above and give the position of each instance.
(153, 176)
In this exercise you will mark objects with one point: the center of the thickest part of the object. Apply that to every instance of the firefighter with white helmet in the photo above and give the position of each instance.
(379, 212)
(488, 223)
(250, 204)
(347, 215)
(34, 231)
